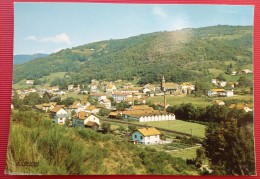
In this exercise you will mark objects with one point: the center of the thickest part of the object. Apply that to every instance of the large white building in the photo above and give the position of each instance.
(144, 113)
(146, 136)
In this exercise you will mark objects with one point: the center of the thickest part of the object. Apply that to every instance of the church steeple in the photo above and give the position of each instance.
(163, 83)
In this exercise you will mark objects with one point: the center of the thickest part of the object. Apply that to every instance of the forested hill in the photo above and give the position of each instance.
(182, 55)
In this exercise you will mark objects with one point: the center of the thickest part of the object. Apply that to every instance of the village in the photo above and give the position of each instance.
(102, 97)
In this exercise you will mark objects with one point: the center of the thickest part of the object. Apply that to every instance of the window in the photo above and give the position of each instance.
(135, 136)
(141, 137)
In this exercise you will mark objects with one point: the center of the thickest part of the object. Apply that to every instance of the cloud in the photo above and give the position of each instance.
(31, 37)
(60, 38)
(158, 11)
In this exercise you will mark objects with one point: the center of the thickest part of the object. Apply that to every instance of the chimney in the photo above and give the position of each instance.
(164, 102)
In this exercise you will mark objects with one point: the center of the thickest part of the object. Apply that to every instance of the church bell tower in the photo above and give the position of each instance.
(163, 84)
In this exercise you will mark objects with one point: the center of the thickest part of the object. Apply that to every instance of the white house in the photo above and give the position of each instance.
(222, 83)
(110, 88)
(70, 87)
(146, 136)
(98, 96)
(246, 71)
(92, 109)
(145, 90)
(185, 87)
(29, 82)
(230, 93)
(217, 92)
(214, 81)
(233, 73)
(106, 103)
(84, 119)
(119, 96)
(60, 115)
(93, 88)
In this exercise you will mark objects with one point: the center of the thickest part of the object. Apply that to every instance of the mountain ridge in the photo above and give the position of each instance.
(23, 58)
(180, 55)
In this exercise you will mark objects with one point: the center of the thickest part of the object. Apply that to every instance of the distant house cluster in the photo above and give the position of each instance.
(84, 113)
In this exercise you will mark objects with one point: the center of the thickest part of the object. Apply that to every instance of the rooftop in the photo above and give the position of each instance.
(149, 131)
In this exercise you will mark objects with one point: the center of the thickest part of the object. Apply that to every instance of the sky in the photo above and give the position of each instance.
(50, 27)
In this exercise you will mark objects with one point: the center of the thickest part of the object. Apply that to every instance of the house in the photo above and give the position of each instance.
(155, 93)
(246, 71)
(168, 87)
(120, 96)
(242, 106)
(218, 102)
(110, 88)
(114, 115)
(150, 87)
(87, 120)
(146, 136)
(106, 103)
(92, 109)
(46, 106)
(233, 73)
(132, 90)
(61, 92)
(145, 90)
(93, 88)
(54, 88)
(187, 87)
(135, 100)
(128, 85)
(214, 81)
(98, 96)
(70, 87)
(60, 115)
(217, 92)
(29, 82)
(230, 93)
(222, 83)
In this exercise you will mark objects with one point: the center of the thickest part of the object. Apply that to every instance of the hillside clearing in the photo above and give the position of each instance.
(177, 100)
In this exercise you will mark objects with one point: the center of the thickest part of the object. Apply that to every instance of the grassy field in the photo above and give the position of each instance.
(22, 85)
(187, 153)
(75, 95)
(177, 100)
(49, 78)
(52, 76)
(180, 126)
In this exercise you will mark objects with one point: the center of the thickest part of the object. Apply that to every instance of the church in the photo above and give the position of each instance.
(169, 87)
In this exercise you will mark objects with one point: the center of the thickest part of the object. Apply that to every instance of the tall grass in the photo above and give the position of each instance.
(62, 150)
